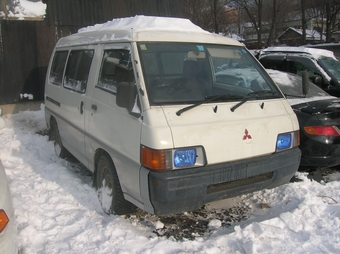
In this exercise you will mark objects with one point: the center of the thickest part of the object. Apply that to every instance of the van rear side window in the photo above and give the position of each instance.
(58, 65)
(77, 70)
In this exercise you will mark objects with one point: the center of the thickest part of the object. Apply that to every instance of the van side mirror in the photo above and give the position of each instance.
(305, 82)
(126, 95)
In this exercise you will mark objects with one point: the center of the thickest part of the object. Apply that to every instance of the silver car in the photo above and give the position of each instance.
(8, 227)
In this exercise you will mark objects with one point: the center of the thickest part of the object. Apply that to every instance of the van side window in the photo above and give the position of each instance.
(77, 70)
(57, 69)
(116, 68)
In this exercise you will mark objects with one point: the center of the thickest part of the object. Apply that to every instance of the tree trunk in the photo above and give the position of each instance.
(272, 25)
(303, 17)
(259, 22)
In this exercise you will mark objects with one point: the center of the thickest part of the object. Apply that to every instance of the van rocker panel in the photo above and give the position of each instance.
(173, 192)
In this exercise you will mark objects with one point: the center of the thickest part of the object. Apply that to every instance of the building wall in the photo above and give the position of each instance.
(24, 48)
(26, 45)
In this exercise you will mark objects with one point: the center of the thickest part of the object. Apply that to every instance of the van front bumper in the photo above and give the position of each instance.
(173, 192)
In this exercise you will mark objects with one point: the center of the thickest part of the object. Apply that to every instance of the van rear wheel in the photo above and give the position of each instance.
(54, 135)
(109, 190)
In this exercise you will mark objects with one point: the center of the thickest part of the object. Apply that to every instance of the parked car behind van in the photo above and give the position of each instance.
(138, 102)
(319, 118)
(321, 64)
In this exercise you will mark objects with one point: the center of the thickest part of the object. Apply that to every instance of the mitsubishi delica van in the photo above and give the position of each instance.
(167, 116)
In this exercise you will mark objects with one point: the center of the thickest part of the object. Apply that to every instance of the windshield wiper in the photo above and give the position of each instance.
(296, 96)
(252, 95)
(262, 92)
(221, 97)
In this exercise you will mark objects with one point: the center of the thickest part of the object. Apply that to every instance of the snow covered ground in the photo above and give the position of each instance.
(58, 212)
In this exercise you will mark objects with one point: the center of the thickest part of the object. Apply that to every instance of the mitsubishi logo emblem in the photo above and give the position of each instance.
(246, 135)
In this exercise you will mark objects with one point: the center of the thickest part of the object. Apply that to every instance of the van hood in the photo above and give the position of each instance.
(251, 130)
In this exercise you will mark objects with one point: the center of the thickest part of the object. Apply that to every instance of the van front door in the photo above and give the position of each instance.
(113, 128)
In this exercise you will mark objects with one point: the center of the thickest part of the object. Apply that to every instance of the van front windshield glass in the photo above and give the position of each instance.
(182, 73)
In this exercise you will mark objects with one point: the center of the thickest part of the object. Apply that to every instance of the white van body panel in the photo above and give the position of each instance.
(199, 125)
(73, 135)
(108, 125)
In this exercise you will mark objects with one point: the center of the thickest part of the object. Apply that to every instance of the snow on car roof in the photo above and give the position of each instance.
(141, 22)
(144, 28)
(316, 53)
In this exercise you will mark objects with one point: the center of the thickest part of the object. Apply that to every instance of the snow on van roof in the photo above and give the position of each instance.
(141, 22)
(144, 28)
(316, 53)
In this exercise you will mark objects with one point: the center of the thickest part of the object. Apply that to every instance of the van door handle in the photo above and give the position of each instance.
(94, 107)
(81, 107)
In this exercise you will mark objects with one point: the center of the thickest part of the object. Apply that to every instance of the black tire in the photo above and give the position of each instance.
(54, 135)
(109, 191)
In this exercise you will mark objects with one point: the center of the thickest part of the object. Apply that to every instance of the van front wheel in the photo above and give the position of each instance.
(109, 190)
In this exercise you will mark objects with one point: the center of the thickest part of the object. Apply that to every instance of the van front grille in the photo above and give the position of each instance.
(237, 183)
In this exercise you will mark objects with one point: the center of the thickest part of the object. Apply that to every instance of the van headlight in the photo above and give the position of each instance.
(185, 157)
(287, 140)
(172, 158)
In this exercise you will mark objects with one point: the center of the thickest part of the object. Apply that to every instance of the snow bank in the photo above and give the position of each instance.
(22, 9)
(58, 211)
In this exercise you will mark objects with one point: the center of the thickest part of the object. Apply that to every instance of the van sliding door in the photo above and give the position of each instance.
(73, 101)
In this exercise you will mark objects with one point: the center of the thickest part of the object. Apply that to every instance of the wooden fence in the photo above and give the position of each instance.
(26, 45)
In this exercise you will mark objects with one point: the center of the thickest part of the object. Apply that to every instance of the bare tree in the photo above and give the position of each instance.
(303, 20)
(325, 11)
(207, 14)
(274, 16)
(268, 18)
(253, 9)
(308, 13)
(223, 15)
(331, 8)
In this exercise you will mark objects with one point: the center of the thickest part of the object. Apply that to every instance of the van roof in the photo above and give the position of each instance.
(144, 28)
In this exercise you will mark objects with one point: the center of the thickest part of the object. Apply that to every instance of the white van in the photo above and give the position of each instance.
(168, 116)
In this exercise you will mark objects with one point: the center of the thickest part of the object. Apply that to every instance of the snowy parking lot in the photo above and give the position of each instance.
(58, 211)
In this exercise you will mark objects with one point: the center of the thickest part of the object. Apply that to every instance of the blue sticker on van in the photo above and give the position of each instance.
(200, 48)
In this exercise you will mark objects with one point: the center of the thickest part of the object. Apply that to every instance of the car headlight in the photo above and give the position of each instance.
(185, 157)
(172, 158)
(287, 140)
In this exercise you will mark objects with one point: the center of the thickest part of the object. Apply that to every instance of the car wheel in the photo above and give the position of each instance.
(109, 190)
(54, 135)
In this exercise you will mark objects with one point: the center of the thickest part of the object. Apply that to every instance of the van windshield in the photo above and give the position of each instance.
(182, 73)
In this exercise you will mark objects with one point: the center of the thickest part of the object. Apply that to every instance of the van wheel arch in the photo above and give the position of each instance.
(111, 195)
(97, 155)
(54, 135)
